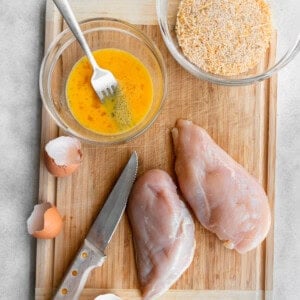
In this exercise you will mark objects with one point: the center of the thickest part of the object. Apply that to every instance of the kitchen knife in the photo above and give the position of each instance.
(91, 254)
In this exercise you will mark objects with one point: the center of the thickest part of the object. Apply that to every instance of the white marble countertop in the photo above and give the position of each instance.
(21, 48)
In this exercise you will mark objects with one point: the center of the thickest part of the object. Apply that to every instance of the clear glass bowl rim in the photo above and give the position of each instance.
(191, 68)
(150, 44)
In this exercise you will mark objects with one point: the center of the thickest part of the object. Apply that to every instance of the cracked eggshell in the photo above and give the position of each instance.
(63, 156)
(45, 222)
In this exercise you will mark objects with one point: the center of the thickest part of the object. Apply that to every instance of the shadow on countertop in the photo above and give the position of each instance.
(21, 51)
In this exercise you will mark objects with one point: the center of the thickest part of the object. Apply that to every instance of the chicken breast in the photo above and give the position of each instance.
(163, 232)
(225, 198)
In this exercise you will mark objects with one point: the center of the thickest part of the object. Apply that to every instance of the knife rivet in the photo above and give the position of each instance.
(64, 291)
(84, 254)
(74, 273)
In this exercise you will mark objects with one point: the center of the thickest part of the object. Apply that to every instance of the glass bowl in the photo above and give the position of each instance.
(285, 20)
(65, 51)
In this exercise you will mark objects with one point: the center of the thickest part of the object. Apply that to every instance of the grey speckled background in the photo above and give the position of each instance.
(21, 47)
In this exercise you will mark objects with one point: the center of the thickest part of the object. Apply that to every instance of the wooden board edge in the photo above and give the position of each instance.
(271, 169)
(269, 263)
(47, 183)
(134, 294)
(144, 14)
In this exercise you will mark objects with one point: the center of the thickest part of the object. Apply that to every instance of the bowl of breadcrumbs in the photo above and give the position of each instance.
(230, 42)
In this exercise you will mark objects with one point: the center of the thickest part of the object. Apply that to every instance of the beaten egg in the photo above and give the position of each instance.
(126, 108)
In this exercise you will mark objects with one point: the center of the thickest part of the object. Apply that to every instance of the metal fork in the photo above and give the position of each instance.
(103, 81)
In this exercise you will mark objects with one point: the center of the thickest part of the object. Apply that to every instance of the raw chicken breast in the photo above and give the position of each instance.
(163, 232)
(225, 198)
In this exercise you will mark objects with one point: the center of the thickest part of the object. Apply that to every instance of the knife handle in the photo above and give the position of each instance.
(87, 259)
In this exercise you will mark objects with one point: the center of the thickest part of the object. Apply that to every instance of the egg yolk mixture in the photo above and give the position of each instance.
(126, 108)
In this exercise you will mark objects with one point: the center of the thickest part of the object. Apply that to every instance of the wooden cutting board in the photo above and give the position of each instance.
(242, 120)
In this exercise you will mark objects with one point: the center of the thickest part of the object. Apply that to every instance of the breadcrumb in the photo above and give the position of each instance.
(224, 37)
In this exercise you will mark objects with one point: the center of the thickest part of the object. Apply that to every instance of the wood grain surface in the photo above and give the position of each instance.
(242, 120)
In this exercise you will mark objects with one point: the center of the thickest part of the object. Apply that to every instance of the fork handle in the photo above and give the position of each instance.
(66, 11)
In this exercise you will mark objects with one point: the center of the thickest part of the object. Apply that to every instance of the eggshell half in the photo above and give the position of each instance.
(108, 297)
(45, 222)
(63, 156)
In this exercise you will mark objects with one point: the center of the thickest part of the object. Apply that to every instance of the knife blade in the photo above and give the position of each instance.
(91, 254)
